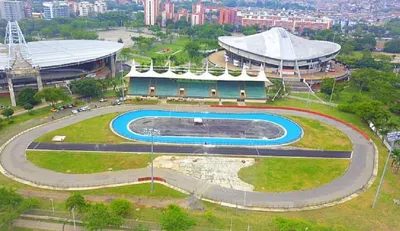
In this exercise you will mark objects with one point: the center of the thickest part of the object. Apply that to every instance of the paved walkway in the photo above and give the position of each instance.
(52, 226)
(190, 150)
(357, 176)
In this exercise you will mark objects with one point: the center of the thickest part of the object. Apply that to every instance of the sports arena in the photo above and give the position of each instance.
(41, 63)
(182, 83)
(280, 52)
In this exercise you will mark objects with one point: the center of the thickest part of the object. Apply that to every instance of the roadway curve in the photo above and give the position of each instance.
(356, 179)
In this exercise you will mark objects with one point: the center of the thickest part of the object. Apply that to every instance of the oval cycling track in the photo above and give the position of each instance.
(357, 177)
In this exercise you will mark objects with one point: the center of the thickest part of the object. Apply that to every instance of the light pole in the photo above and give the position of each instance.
(121, 70)
(151, 132)
(73, 217)
(392, 137)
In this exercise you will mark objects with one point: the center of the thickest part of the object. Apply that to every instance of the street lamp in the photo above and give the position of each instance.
(152, 132)
(391, 137)
(121, 70)
(73, 217)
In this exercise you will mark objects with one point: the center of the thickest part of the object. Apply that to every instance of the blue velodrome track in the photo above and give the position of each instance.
(120, 125)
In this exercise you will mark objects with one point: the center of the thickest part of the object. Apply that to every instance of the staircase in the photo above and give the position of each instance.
(295, 85)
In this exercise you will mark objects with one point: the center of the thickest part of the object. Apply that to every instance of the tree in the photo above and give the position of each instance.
(396, 160)
(52, 95)
(77, 201)
(120, 206)
(99, 217)
(347, 49)
(26, 95)
(387, 127)
(28, 106)
(392, 46)
(12, 205)
(327, 87)
(87, 87)
(176, 219)
(192, 49)
(373, 111)
(120, 40)
(8, 112)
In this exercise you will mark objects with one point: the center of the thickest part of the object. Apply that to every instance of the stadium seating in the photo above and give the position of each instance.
(197, 90)
(228, 89)
(255, 90)
(166, 87)
(139, 86)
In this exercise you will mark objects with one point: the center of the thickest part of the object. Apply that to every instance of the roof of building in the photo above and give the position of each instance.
(279, 44)
(55, 53)
(169, 74)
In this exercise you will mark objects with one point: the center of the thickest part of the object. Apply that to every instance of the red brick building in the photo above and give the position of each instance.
(289, 23)
(227, 16)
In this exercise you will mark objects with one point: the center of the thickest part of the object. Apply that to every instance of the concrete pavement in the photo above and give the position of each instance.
(354, 180)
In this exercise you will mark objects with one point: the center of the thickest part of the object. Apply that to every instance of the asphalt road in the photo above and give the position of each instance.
(231, 128)
(14, 163)
(189, 150)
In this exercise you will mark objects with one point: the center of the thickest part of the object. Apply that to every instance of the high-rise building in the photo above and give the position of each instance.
(167, 11)
(151, 8)
(73, 8)
(100, 7)
(198, 14)
(12, 10)
(227, 16)
(86, 9)
(182, 14)
(28, 10)
(56, 9)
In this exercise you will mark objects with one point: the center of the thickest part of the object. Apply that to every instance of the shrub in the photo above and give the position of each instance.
(120, 207)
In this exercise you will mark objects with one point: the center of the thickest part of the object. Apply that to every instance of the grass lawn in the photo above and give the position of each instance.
(304, 95)
(89, 162)
(21, 118)
(94, 130)
(356, 214)
(5, 101)
(182, 102)
(290, 174)
(141, 102)
(178, 44)
(346, 95)
(318, 135)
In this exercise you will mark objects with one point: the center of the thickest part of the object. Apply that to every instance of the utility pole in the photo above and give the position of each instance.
(391, 137)
(333, 88)
(152, 163)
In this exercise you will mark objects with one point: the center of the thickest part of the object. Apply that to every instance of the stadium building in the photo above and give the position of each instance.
(37, 64)
(182, 83)
(279, 52)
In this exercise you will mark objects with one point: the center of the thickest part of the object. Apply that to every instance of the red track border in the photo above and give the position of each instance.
(300, 110)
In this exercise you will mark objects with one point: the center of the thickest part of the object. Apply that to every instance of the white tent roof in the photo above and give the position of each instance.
(279, 44)
(261, 77)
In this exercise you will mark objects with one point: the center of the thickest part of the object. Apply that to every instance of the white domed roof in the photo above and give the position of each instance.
(279, 44)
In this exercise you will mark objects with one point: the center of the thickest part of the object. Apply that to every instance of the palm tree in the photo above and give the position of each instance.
(395, 160)
(387, 127)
